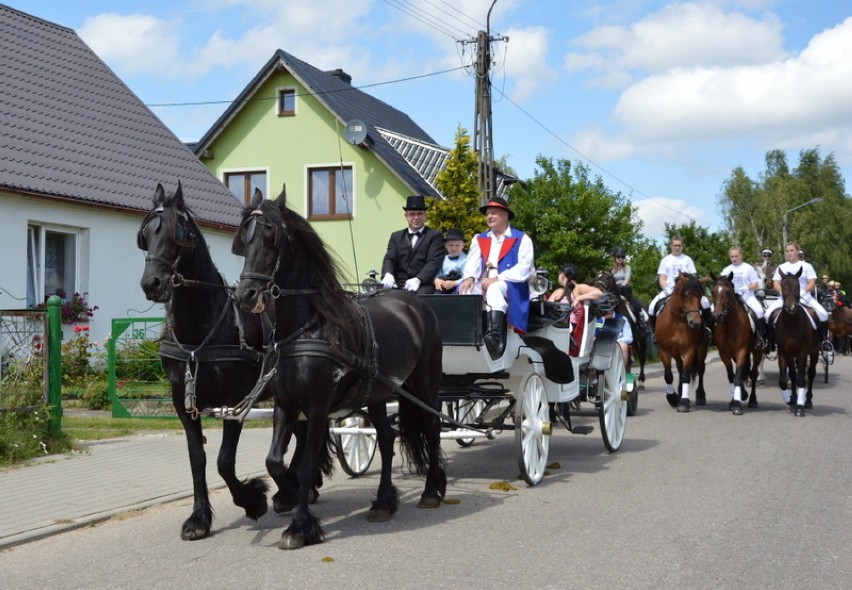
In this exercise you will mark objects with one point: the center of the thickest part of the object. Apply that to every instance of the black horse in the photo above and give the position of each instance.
(798, 345)
(335, 351)
(211, 354)
(606, 282)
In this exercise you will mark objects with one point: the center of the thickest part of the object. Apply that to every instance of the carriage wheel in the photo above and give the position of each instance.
(532, 429)
(355, 451)
(466, 411)
(611, 407)
(827, 357)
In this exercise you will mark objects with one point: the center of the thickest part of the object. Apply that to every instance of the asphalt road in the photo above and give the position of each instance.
(698, 500)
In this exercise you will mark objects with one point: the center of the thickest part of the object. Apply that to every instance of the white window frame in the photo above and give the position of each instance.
(278, 92)
(36, 266)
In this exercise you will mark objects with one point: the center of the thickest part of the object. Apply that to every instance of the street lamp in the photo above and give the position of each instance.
(784, 227)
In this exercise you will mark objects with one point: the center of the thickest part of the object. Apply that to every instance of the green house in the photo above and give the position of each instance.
(348, 160)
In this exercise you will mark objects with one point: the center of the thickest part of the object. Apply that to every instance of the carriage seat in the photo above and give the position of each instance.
(545, 313)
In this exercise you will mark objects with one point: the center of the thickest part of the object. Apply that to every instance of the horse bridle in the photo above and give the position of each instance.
(272, 288)
(721, 315)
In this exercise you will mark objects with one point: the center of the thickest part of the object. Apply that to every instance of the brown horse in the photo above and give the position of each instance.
(798, 345)
(840, 326)
(735, 341)
(680, 337)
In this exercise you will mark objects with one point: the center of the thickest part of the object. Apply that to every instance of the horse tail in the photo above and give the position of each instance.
(414, 426)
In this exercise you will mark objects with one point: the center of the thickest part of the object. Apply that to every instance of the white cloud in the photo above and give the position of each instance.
(140, 44)
(656, 212)
(526, 61)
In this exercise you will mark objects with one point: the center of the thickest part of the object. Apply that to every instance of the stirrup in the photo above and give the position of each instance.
(827, 346)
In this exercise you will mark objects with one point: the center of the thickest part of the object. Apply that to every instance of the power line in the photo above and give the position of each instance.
(424, 17)
(348, 89)
(588, 159)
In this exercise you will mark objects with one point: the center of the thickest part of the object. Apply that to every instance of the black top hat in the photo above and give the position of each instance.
(415, 203)
(497, 202)
(454, 234)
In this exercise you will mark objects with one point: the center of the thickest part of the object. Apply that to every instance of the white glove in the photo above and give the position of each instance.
(412, 284)
(388, 281)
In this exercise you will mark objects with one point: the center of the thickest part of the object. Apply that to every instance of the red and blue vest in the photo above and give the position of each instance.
(518, 294)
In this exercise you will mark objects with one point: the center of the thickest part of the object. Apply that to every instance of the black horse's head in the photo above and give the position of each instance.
(724, 296)
(167, 233)
(605, 282)
(790, 291)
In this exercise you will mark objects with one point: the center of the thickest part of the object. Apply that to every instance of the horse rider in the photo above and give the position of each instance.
(449, 277)
(670, 267)
(765, 269)
(807, 280)
(745, 283)
(499, 266)
(414, 254)
(621, 272)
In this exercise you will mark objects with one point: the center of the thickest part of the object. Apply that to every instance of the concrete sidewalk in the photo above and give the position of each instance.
(105, 478)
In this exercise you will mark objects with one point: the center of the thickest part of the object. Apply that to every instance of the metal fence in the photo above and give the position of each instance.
(137, 384)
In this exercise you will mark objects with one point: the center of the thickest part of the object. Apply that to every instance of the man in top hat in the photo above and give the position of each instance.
(414, 254)
(499, 264)
(449, 278)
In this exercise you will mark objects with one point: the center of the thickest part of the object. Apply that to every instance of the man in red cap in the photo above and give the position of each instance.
(499, 265)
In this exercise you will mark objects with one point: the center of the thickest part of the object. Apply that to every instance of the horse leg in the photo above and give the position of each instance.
(197, 526)
(305, 527)
(387, 496)
(735, 405)
(782, 377)
(249, 495)
(812, 368)
(641, 349)
(754, 370)
(671, 396)
(802, 374)
(286, 498)
(683, 369)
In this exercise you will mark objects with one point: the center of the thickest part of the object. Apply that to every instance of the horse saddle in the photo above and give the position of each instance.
(661, 304)
(810, 313)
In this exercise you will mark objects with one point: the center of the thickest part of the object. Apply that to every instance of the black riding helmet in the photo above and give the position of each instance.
(618, 251)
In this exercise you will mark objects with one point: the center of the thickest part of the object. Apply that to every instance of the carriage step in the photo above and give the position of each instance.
(582, 429)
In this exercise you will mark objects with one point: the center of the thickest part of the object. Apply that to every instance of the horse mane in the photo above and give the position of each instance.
(692, 286)
(335, 306)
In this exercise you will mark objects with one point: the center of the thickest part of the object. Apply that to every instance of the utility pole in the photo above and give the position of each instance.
(483, 142)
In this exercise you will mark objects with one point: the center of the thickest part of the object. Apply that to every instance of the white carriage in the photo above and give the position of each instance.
(532, 385)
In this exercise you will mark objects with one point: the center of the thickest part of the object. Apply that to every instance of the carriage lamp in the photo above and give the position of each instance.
(539, 283)
(371, 284)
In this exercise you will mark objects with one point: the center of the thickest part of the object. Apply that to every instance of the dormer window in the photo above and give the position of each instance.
(286, 102)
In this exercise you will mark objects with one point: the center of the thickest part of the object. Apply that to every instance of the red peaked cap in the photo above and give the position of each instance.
(497, 202)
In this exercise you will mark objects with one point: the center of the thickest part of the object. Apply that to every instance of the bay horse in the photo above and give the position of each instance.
(680, 337)
(606, 282)
(840, 327)
(211, 354)
(334, 351)
(735, 341)
(798, 345)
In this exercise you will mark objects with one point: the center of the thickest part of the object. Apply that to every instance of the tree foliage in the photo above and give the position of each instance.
(458, 183)
(755, 210)
(572, 217)
(709, 250)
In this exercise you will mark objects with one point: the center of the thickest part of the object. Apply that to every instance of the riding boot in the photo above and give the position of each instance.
(822, 335)
(707, 320)
(760, 340)
(495, 336)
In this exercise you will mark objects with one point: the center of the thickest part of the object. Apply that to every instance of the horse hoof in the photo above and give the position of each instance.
(673, 399)
(194, 534)
(683, 406)
(429, 502)
(752, 404)
(799, 412)
(736, 409)
(289, 541)
(641, 386)
(313, 496)
(809, 405)
(700, 401)
(378, 515)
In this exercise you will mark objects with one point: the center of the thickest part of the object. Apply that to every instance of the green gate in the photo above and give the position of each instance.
(137, 384)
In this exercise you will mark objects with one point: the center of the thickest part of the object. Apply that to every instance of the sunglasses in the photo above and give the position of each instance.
(619, 257)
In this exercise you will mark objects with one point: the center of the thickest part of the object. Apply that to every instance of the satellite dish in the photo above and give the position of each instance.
(355, 132)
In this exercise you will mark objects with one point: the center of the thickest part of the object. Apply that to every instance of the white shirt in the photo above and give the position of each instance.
(672, 266)
(808, 273)
(744, 275)
(519, 273)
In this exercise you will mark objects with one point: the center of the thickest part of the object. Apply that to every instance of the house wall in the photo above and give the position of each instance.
(109, 263)
(257, 138)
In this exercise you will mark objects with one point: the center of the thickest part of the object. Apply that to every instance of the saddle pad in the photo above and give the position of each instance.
(808, 312)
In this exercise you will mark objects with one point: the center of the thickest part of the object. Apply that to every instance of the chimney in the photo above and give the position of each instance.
(339, 73)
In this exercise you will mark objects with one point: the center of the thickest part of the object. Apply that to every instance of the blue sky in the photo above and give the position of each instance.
(661, 99)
